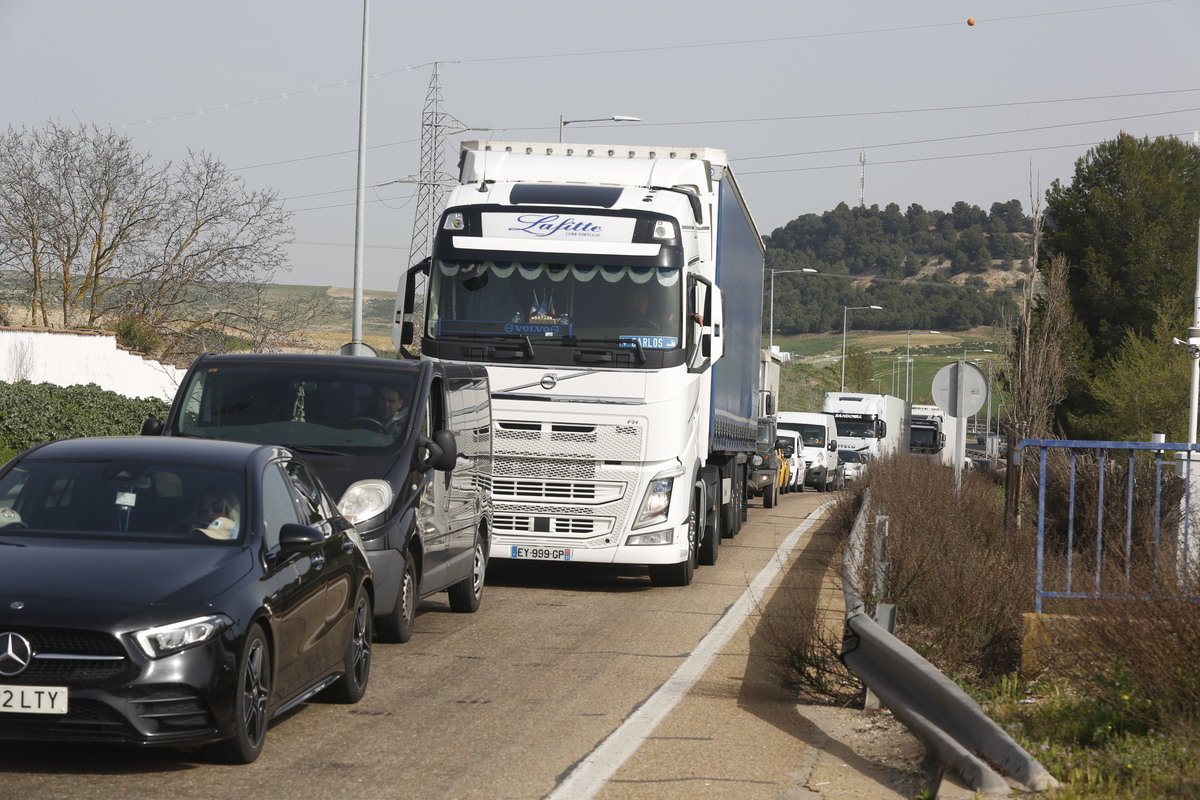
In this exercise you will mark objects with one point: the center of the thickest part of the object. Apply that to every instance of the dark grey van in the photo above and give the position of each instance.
(404, 446)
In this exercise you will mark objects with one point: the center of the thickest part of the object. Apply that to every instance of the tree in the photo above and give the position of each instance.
(97, 232)
(859, 366)
(1127, 226)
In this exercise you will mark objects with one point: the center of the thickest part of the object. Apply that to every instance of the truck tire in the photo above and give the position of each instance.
(680, 574)
(731, 514)
(709, 545)
(769, 496)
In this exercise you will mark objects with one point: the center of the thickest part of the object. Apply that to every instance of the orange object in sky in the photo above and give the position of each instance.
(970, 20)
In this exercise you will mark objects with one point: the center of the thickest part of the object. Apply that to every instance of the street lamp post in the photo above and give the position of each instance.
(771, 304)
(908, 368)
(845, 320)
(562, 123)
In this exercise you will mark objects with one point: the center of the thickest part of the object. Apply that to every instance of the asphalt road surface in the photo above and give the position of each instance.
(570, 682)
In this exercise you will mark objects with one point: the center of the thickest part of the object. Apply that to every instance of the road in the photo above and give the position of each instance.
(570, 682)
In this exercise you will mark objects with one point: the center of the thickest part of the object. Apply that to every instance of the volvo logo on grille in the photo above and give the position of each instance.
(15, 654)
(549, 381)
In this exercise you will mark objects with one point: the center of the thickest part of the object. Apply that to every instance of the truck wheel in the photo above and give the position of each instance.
(398, 625)
(710, 539)
(679, 574)
(466, 595)
(769, 497)
(731, 515)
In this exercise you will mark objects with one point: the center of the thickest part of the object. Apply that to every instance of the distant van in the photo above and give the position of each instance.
(818, 435)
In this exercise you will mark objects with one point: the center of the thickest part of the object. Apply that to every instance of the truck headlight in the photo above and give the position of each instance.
(656, 503)
(756, 461)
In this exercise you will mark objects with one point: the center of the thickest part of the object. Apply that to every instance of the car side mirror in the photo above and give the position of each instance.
(441, 451)
(151, 426)
(294, 537)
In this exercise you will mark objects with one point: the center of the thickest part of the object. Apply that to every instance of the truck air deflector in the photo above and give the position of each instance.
(558, 194)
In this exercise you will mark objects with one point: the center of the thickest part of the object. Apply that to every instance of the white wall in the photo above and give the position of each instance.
(67, 358)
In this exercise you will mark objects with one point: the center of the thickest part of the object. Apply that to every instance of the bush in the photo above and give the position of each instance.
(959, 582)
(34, 413)
(137, 334)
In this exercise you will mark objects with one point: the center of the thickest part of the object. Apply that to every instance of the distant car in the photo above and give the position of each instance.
(162, 591)
(854, 463)
(404, 446)
(789, 446)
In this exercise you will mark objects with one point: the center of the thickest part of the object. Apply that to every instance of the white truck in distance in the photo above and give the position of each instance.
(874, 425)
(933, 433)
(614, 293)
(819, 453)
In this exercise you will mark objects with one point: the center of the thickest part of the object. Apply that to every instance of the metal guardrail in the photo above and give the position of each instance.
(1181, 549)
(952, 725)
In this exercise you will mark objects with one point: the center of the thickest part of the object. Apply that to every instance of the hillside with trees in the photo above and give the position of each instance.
(927, 269)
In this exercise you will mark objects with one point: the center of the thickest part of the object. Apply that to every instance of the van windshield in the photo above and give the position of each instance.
(299, 405)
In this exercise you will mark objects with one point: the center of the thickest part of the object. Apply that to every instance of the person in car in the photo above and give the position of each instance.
(391, 408)
(218, 509)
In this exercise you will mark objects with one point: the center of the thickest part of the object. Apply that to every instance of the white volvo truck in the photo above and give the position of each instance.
(614, 293)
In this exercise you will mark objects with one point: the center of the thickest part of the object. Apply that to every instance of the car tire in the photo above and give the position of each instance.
(467, 594)
(251, 697)
(680, 574)
(398, 625)
(356, 663)
(769, 497)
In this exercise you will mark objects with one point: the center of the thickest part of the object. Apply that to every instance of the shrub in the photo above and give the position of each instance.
(959, 582)
(34, 413)
(138, 334)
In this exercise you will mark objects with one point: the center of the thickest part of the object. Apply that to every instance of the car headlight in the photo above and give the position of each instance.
(366, 500)
(656, 503)
(756, 461)
(167, 639)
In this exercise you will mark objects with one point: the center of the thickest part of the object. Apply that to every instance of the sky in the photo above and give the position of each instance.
(796, 93)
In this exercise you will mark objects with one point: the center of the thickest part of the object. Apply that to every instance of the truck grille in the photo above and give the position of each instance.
(534, 490)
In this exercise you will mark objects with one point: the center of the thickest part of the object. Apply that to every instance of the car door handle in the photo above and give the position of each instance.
(318, 560)
(348, 546)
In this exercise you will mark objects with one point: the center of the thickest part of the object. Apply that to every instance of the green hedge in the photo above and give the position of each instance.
(34, 413)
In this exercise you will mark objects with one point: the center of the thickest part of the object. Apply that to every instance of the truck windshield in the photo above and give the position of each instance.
(544, 300)
(856, 428)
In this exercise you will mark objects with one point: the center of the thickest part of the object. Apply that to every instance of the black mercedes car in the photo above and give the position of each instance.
(174, 591)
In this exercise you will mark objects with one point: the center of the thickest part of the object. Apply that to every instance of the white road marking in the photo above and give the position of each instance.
(589, 775)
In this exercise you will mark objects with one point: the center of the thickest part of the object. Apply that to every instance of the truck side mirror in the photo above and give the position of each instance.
(832, 446)
(882, 429)
(770, 405)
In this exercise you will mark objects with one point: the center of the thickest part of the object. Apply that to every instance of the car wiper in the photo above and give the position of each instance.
(318, 451)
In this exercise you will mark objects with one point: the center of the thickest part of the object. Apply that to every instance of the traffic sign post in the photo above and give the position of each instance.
(960, 389)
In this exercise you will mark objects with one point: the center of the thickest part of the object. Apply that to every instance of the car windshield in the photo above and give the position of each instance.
(335, 408)
(122, 499)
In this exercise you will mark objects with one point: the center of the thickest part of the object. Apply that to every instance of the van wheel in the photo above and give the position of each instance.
(467, 594)
(398, 625)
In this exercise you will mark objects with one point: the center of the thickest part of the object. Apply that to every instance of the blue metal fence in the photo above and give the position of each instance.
(1178, 547)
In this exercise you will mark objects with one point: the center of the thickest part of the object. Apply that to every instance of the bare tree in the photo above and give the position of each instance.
(98, 232)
